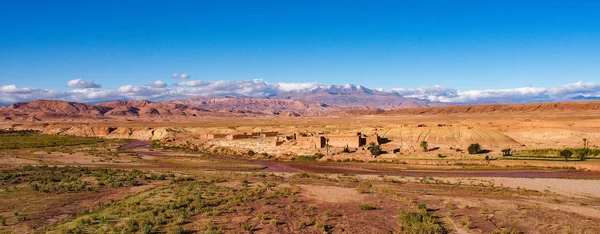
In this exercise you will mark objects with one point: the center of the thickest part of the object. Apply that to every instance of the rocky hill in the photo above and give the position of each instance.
(499, 108)
(315, 101)
(221, 107)
(333, 101)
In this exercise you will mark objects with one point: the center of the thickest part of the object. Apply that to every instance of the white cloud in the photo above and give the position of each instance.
(180, 76)
(574, 91)
(504, 95)
(89, 95)
(577, 88)
(159, 91)
(157, 84)
(12, 93)
(144, 92)
(252, 88)
(14, 89)
(294, 87)
(436, 93)
(82, 84)
(192, 83)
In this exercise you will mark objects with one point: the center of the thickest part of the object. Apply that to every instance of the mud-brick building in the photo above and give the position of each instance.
(252, 135)
(310, 141)
(356, 141)
(264, 134)
(213, 136)
(238, 136)
(373, 138)
(343, 141)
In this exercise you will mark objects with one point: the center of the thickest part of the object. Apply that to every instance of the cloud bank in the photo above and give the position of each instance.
(157, 84)
(180, 76)
(90, 92)
(570, 92)
(84, 84)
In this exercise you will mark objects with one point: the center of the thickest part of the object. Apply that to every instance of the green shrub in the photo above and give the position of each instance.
(309, 175)
(419, 222)
(251, 153)
(305, 159)
(375, 149)
(367, 207)
(346, 149)
(146, 227)
(566, 154)
(175, 230)
(131, 225)
(474, 148)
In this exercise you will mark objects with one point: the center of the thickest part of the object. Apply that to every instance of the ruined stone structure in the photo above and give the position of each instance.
(309, 140)
(213, 136)
(343, 141)
(265, 134)
(253, 135)
(303, 140)
(373, 138)
(353, 141)
(238, 136)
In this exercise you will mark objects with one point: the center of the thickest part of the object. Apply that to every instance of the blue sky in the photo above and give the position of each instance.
(465, 45)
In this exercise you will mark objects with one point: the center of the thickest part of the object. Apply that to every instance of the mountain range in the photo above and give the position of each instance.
(317, 101)
(344, 99)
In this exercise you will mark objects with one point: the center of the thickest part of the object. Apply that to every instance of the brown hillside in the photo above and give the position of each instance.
(59, 108)
(535, 107)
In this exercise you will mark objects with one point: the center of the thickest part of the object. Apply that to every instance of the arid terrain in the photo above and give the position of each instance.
(298, 167)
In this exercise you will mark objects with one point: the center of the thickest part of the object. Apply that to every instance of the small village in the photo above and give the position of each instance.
(296, 143)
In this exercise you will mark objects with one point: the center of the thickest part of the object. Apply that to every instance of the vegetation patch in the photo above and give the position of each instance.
(420, 222)
(304, 159)
(167, 208)
(74, 179)
(556, 152)
(367, 207)
(34, 139)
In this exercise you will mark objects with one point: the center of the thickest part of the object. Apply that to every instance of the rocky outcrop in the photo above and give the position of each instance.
(365, 103)
(138, 133)
(59, 108)
(193, 108)
(505, 108)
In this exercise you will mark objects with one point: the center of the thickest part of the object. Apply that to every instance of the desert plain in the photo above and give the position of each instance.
(532, 168)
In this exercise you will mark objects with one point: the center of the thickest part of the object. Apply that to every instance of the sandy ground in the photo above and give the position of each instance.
(567, 187)
(332, 194)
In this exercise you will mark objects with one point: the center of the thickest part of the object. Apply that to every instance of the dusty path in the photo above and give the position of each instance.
(380, 169)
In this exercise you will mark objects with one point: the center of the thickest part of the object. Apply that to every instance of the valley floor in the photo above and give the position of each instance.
(166, 191)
